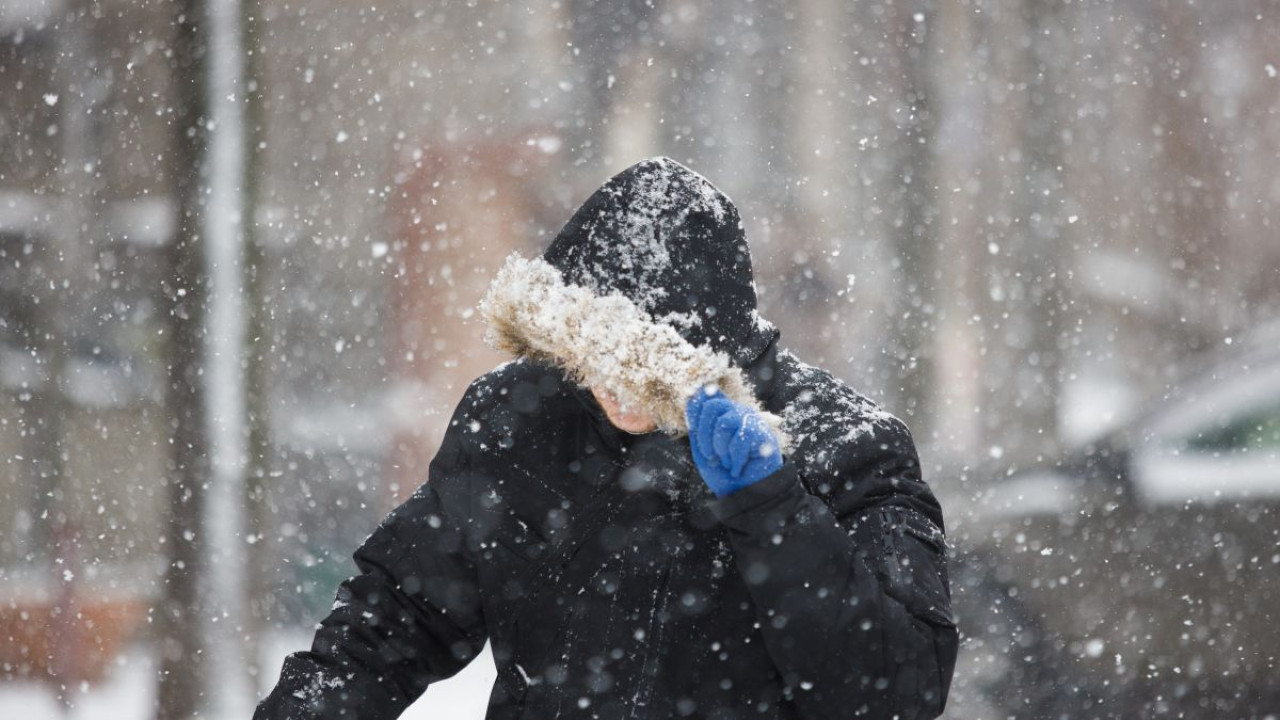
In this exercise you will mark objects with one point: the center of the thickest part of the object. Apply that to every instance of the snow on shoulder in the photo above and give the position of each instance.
(606, 341)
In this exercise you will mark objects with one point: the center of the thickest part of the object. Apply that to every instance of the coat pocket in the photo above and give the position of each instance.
(914, 565)
(530, 662)
(522, 546)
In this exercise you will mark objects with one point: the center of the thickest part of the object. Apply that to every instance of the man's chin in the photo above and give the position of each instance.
(635, 427)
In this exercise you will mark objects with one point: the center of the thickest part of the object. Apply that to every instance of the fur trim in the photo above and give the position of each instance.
(606, 341)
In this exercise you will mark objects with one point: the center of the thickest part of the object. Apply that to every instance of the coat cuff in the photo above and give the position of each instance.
(760, 495)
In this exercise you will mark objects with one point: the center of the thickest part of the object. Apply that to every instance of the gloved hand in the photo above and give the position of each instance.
(732, 445)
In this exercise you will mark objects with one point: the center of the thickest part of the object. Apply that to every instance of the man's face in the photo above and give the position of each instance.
(626, 419)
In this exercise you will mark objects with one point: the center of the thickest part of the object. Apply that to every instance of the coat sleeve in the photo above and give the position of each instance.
(850, 583)
(411, 616)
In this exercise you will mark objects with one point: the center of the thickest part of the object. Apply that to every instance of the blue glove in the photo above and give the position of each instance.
(732, 445)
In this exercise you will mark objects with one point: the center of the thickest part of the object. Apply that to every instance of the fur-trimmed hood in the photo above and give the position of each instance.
(646, 292)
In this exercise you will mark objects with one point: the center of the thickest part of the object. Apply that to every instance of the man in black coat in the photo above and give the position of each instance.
(654, 511)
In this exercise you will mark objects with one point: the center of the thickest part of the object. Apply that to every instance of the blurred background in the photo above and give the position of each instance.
(241, 244)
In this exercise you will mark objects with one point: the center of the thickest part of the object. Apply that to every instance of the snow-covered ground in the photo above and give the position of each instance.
(127, 692)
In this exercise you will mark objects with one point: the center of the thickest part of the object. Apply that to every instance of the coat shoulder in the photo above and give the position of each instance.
(848, 450)
(502, 401)
(502, 384)
(825, 414)
(514, 418)
(507, 420)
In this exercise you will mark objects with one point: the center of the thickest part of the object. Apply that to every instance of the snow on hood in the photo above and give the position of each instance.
(606, 341)
(647, 292)
(673, 244)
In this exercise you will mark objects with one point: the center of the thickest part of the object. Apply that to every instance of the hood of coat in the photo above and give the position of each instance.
(669, 241)
(647, 292)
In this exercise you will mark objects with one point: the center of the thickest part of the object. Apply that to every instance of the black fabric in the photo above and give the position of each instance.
(612, 584)
(609, 581)
(667, 239)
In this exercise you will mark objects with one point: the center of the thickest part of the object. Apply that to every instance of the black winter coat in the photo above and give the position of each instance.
(609, 580)
(613, 585)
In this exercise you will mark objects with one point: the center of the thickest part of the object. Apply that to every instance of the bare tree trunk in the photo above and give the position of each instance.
(916, 236)
(1191, 164)
(58, 311)
(54, 530)
(1025, 233)
(257, 467)
(182, 668)
(1043, 239)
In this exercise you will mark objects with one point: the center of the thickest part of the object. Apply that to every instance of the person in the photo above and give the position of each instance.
(654, 511)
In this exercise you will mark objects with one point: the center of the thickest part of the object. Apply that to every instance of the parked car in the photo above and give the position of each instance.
(1139, 576)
